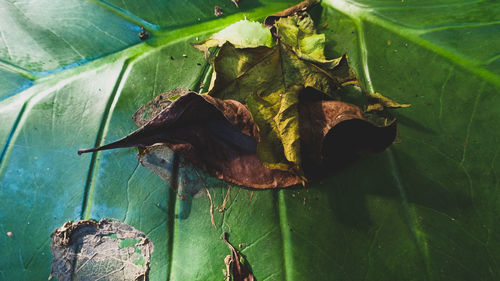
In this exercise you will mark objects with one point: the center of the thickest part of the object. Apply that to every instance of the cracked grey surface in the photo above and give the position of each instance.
(104, 250)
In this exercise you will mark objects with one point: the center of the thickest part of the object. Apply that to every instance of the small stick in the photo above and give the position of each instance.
(211, 208)
(226, 198)
(209, 198)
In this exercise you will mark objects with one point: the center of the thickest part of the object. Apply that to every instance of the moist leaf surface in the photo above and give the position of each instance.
(426, 209)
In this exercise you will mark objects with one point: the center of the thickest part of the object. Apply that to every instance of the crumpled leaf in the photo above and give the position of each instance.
(220, 136)
(259, 145)
(269, 80)
(235, 269)
(104, 250)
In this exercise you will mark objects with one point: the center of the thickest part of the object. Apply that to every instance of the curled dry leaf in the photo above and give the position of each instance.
(220, 136)
(332, 132)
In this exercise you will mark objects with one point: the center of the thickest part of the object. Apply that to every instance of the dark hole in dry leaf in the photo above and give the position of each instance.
(310, 94)
(335, 133)
(104, 250)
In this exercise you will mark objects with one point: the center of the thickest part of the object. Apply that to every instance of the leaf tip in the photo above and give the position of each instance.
(81, 151)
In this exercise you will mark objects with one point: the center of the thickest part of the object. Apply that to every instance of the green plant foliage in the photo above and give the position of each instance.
(177, 13)
(42, 36)
(242, 34)
(426, 209)
(12, 83)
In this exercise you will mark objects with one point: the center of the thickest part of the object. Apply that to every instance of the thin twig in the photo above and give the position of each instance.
(228, 261)
(211, 208)
(209, 198)
(222, 207)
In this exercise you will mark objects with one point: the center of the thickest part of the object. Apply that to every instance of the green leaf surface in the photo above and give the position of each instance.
(42, 36)
(178, 13)
(12, 83)
(426, 209)
(242, 34)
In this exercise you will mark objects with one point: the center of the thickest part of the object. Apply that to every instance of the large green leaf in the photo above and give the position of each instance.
(426, 209)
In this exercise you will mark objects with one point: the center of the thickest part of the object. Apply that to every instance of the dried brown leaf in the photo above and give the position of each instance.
(220, 137)
(218, 11)
(301, 7)
(237, 270)
(333, 132)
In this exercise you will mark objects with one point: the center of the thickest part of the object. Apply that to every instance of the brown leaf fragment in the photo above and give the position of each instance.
(143, 35)
(237, 270)
(227, 271)
(218, 11)
(235, 3)
(104, 250)
(301, 7)
(379, 102)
